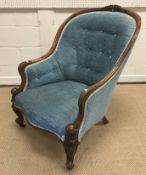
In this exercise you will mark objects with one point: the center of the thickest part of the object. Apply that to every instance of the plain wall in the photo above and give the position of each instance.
(26, 34)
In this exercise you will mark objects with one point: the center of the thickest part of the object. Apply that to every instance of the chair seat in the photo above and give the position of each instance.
(51, 107)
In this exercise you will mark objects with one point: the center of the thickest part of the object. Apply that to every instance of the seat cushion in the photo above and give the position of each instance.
(51, 107)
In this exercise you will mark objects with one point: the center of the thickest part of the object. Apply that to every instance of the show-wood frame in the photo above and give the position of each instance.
(71, 137)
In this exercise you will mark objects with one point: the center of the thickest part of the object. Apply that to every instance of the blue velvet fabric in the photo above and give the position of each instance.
(42, 73)
(51, 106)
(98, 103)
(88, 49)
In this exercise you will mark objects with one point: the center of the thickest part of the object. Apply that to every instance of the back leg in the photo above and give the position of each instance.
(104, 120)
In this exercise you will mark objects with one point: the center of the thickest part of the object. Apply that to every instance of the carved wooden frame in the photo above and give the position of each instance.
(71, 135)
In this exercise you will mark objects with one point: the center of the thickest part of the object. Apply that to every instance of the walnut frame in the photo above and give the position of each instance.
(71, 135)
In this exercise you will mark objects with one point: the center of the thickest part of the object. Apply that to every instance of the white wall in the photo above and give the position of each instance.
(19, 40)
(26, 34)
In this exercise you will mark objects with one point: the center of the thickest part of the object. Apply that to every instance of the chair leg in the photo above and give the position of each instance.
(70, 145)
(70, 149)
(20, 119)
(105, 120)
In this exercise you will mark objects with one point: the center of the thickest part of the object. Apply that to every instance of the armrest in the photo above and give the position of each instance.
(38, 72)
(96, 105)
(43, 72)
(94, 102)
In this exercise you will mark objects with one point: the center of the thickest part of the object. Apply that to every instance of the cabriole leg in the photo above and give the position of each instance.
(70, 145)
(20, 119)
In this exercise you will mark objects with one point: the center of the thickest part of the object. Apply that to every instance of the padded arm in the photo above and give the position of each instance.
(43, 72)
(97, 103)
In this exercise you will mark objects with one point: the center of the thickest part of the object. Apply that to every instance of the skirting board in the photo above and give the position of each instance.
(132, 78)
(15, 80)
(9, 80)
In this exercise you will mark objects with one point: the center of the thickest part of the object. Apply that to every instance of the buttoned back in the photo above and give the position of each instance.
(91, 43)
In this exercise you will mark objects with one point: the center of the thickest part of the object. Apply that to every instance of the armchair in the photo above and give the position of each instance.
(68, 90)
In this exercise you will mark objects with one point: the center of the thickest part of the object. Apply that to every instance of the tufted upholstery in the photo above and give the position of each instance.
(87, 50)
(52, 106)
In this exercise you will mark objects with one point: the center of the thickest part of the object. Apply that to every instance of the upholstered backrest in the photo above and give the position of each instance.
(87, 50)
(91, 43)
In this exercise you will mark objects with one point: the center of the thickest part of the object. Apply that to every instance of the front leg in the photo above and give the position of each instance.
(20, 119)
(70, 145)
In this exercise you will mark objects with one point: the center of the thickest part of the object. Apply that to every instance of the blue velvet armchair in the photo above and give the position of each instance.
(68, 90)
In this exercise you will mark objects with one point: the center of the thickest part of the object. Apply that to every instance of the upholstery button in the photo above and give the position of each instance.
(110, 56)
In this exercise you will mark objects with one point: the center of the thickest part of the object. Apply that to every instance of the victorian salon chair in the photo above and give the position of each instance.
(68, 90)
